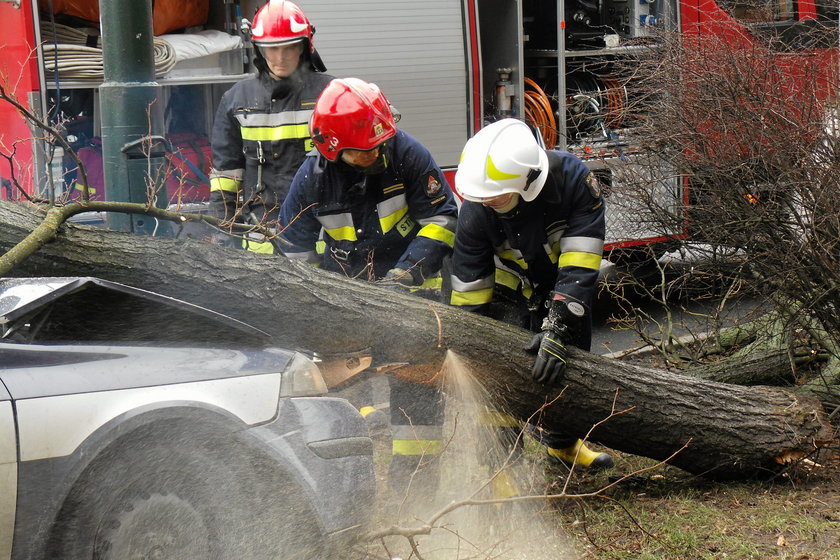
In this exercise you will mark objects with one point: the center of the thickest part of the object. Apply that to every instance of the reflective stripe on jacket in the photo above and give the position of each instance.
(554, 242)
(404, 217)
(261, 120)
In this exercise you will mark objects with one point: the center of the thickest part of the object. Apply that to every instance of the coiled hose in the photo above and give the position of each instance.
(76, 53)
(538, 112)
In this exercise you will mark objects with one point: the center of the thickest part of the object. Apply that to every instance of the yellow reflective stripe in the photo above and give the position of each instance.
(513, 282)
(345, 233)
(224, 184)
(439, 233)
(435, 283)
(497, 419)
(388, 222)
(365, 410)
(285, 132)
(507, 279)
(320, 247)
(510, 255)
(578, 258)
(416, 447)
(475, 297)
(265, 247)
(494, 173)
(527, 291)
(553, 252)
(81, 187)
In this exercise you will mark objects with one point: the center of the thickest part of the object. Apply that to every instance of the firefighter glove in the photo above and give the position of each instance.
(565, 312)
(565, 317)
(550, 364)
(400, 278)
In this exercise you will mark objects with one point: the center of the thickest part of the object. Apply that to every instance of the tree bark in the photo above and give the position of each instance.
(731, 431)
(771, 367)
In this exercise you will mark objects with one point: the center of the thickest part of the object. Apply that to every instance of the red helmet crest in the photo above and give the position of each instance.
(350, 114)
(281, 22)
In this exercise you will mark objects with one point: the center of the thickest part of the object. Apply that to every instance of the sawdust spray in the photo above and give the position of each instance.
(480, 508)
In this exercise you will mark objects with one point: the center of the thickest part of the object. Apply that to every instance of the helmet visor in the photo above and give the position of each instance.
(278, 42)
(372, 161)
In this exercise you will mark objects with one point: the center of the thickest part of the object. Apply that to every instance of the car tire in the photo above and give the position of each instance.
(198, 497)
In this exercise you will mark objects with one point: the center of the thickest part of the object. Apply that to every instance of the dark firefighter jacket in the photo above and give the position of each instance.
(554, 242)
(260, 137)
(345, 220)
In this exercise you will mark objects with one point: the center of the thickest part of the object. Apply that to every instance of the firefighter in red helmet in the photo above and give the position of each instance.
(260, 133)
(370, 202)
(383, 203)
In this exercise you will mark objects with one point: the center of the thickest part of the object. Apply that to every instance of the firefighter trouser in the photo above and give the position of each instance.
(416, 418)
(417, 413)
(518, 313)
(507, 431)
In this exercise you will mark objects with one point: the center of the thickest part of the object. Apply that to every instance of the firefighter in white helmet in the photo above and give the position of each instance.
(528, 250)
(261, 130)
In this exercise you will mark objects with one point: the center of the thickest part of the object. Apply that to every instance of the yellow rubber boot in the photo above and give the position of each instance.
(504, 486)
(579, 454)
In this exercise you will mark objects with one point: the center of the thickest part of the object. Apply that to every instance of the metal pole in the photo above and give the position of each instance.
(132, 120)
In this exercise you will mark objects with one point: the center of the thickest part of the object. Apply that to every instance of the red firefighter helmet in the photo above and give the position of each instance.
(350, 114)
(281, 22)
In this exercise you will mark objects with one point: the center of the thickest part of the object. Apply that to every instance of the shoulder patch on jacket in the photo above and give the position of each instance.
(593, 184)
(433, 185)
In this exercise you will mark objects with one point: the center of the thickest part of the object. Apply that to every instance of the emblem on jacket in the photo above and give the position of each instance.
(433, 186)
(594, 185)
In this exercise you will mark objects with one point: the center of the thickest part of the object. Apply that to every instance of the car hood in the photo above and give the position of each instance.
(46, 370)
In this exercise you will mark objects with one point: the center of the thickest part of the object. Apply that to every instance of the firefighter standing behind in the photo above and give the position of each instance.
(260, 133)
(371, 203)
(531, 230)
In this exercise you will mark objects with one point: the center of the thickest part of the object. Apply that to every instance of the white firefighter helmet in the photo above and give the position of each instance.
(503, 157)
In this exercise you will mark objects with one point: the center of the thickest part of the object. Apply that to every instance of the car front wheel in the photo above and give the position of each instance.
(196, 497)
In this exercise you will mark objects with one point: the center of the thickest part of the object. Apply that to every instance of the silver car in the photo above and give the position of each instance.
(133, 425)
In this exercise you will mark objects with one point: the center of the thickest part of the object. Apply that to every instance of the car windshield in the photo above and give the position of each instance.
(93, 310)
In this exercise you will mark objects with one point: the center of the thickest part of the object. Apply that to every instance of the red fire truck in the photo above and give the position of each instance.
(450, 66)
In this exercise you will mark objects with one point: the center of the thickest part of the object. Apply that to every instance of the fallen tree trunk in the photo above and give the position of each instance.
(731, 431)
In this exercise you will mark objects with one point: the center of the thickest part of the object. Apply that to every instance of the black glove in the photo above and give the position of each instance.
(550, 365)
(400, 279)
(565, 316)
